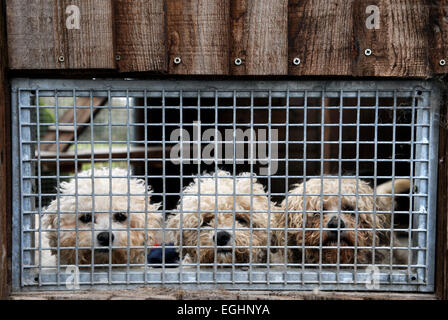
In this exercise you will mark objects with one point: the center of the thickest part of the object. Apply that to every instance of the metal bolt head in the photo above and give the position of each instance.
(442, 62)
(118, 57)
(296, 61)
(177, 60)
(61, 59)
(238, 61)
(367, 52)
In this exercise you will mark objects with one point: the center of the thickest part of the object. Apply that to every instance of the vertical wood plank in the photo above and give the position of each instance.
(441, 278)
(259, 37)
(38, 35)
(438, 35)
(140, 35)
(400, 46)
(5, 231)
(320, 34)
(198, 33)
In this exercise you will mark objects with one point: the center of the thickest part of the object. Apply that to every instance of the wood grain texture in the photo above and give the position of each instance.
(5, 164)
(438, 35)
(148, 293)
(38, 35)
(140, 35)
(320, 34)
(259, 37)
(441, 280)
(198, 33)
(400, 45)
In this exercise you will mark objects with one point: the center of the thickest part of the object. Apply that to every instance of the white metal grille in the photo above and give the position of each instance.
(278, 185)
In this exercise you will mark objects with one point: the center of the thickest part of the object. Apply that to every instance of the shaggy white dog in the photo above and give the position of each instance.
(341, 223)
(219, 212)
(94, 221)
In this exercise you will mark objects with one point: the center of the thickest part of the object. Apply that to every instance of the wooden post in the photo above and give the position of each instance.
(5, 176)
(441, 279)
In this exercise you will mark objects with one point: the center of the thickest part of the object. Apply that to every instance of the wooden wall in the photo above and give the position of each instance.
(5, 177)
(442, 207)
(328, 36)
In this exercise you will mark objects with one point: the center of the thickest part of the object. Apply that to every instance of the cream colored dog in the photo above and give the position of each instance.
(219, 223)
(95, 222)
(319, 228)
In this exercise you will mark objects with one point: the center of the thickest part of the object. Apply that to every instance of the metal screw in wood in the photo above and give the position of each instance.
(238, 61)
(442, 62)
(61, 59)
(367, 52)
(177, 60)
(296, 61)
(118, 57)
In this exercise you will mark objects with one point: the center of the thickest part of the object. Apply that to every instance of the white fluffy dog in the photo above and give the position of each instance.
(238, 215)
(94, 221)
(347, 220)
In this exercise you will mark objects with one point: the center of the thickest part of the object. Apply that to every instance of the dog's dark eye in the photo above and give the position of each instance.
(85, 218)
(242, 220)
(120, 217)
(347, 207)
(206, 221)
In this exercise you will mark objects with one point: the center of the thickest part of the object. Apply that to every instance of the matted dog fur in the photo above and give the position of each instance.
(306, 197)
(198, 213)
(128, 211)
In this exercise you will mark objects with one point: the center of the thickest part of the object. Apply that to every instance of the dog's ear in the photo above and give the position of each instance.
(173, 222)
(275, 241)
(396, 186)
(49, 222)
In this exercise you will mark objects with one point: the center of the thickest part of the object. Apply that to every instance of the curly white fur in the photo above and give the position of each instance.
(197, 210)
(65, 227)
(306, 197)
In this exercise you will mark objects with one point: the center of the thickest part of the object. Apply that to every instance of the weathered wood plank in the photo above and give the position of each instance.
(140, 35)
(198, 33)
(259, 37)
(320, 34)
(399, 47)
(438, 39)
(5, 207)
(441, 280)
(148, 293)
(38, 37)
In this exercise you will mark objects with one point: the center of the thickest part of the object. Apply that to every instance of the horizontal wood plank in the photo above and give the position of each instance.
(38, 36)
(148, 293)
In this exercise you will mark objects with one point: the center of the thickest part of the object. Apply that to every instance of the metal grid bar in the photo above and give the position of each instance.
(398, 114)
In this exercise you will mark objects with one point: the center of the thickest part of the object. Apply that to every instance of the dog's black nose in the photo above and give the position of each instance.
(222, 238)
(104, 238)
(333, 223)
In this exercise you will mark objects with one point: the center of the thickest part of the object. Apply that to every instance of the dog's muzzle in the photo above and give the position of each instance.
(332, 235)
(105, 238)
(222, 238)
